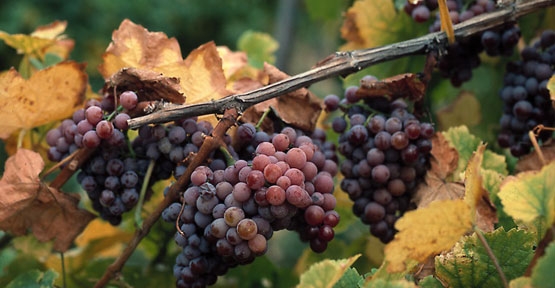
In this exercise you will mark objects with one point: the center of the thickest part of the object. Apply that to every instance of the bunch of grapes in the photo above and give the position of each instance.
(386, 152)
(526, 97)
(462, 56)
(228, 215)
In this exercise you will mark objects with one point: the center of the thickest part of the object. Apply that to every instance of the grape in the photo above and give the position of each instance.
(420, 14)
(94, 114)
(331, 102)
(128, 100)
(247, 229)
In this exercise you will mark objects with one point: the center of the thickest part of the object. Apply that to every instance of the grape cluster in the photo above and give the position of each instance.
(462, 56)
(526, 100)
(386, 152)
(229, 214)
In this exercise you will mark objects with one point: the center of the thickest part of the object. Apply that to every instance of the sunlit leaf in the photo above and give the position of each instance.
(521, 282)
(551, 87)
(466, 144)
(326, 273)
(427, 231)
(27, 204)
(200, 75)
(382, 283)
(468, 264)
(260, 47)
(50, 94)
(530, 196)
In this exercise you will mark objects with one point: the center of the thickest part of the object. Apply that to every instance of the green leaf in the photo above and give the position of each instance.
(521, 282)
(350, 279)
(468, 264)
(326, 273)
(260, 47)
(466, 144)
(429, 282)
(6, 257)
(542, 274)
(530, 197)
(34, 279)
(383, 283)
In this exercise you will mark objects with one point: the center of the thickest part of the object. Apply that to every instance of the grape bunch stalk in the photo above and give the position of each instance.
(386, 152)
(526, 99)
(227, 216)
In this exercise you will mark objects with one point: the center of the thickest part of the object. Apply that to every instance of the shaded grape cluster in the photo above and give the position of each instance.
(463, 56)
(386, 151)
(228, 215)
(526, 99)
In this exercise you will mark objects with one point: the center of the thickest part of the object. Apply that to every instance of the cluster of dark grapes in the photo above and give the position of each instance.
(462, 56)
(228, 215)
(386, 151)
(526, 97)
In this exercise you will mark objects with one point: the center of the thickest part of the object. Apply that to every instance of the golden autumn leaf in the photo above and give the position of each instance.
(200, 75)
(50, 94)
(26, 203)
(427, 231)
(45, 39)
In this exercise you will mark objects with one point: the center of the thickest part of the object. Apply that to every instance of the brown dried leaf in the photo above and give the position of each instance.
(407, 86)
(445, 158)
(435, 188)
(299, 108)
(149, 85)
(201, 77)
(532, 162)
(26, 203)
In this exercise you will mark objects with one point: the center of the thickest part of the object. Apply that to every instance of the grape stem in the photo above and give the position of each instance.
(345, 63)
(144, 187)
(210, 144)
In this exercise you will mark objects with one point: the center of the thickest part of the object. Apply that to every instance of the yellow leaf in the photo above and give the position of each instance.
(530, 195)
(427, 231)
(50, 94)
(473, 181)
(370, 23)
(45, 39)
(201, 75)
(465, 110)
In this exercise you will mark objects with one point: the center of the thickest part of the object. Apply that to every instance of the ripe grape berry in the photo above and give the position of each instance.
(463, 56)
(385, 156)
(526, 100)
(285, 181)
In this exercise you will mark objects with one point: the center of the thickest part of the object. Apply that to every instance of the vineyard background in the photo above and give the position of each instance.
(309, 36)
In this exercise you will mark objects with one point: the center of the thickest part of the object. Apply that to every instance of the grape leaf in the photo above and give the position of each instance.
(466, 144)
(34, 279)
(464, 110)
(382, 283)
(200, 75)
(326, 273)
(521, 282)
(542, 274)
(260, 47)
(45, 40)
(372, 23)
(427, 231)
(530, 196)
(26, 203)
(468, 264)
(429, 282)
(408, 86)
(50, 94)
(350, 279)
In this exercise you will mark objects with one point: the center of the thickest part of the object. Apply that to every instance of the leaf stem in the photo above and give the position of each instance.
(63, 270)
(492, 257)
(144, 187)
(257, 126)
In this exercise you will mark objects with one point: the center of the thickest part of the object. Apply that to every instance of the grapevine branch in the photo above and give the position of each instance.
(210, 144)
(337, 64)
(344, 63)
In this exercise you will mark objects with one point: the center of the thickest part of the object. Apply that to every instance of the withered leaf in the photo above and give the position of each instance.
(149, 85)
(28, 204)
(300, 108)
(408, 86)
(532, 161)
